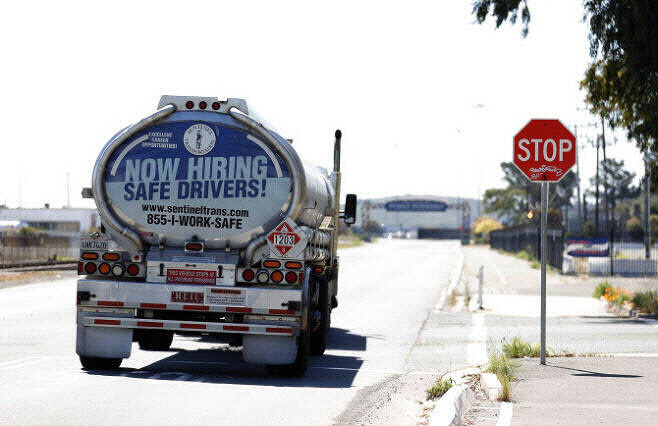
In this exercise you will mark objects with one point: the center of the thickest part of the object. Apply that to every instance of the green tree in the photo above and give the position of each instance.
(621, 83)
(634, 228)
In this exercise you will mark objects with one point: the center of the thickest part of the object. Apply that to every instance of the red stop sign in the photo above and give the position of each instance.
(544, 150)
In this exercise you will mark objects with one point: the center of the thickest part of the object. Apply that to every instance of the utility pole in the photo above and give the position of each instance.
(605, 181)
(647, 206)
(580, 215)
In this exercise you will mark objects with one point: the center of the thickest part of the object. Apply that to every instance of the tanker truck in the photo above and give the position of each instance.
(211, 224)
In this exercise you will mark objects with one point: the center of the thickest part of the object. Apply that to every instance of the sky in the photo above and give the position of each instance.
(428, 101)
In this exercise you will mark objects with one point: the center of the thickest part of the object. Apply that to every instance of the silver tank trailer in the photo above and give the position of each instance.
(311, 199)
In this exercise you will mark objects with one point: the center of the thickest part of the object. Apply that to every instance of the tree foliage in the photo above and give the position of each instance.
(622, 80)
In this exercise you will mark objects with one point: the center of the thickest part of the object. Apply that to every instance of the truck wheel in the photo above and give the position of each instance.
(94, 363)
(155, 340)
(320, 335)
(297, 368)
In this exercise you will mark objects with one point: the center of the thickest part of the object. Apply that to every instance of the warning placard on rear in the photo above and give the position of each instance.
(191, 276)
(226, 296)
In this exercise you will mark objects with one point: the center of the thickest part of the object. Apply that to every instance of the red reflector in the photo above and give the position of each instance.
(108, 303)
(278, 330)
(107, 322)
(189, 105)
(111, 256)
(203, 104)
(291, 277)
(240, 310)
(294, 265)
(133, 269)
(318, 269)
(153, 305)
(301, 277)
(215, 106)
(281, 312)
(194, 326)
(193, 246)
(235, 328)
(80, 267)
(89, 255)
(90, 267)
(248, 275)
(196, 307)
(149, 324)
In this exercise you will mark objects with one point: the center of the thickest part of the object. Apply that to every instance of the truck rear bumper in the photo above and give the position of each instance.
(174, 325)
(179, 297)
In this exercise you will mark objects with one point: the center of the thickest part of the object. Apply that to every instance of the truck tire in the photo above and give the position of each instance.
(297, 368)
(320, 335)
(154, 340)
(95, 363)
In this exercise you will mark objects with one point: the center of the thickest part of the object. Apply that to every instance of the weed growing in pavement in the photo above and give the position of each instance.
(467, 296)
(534, 264)
(503, 368)
(439, 388)
(600, 289)
(452, 298)
(525, 254)
(520, 349)
(646, 301)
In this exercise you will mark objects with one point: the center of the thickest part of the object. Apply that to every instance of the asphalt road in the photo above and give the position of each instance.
(388, 293)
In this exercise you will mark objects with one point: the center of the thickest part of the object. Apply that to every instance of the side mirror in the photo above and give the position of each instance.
(349, 216)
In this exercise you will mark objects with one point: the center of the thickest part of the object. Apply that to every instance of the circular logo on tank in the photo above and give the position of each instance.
(199, 139)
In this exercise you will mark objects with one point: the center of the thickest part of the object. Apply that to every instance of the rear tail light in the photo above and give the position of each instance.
(189, 105)
(132, 269)
(294, 265)
(117, 270)
(291, 277)
(89, 255)
(111, 256)
(90, 267)
(248, 275)
(203, 104)
(263, 277)
(318, 269)
(215, 106)
(104, 268)
(277, 276)
(272, 264)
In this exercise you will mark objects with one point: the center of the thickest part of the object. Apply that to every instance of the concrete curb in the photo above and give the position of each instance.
(454, 280)
(452, 406)
(491, 386)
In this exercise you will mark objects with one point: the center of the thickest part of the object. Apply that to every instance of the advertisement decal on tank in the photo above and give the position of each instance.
(182, 178)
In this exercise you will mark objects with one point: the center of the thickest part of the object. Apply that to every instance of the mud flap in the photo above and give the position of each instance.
(271, 350)
(103, 342)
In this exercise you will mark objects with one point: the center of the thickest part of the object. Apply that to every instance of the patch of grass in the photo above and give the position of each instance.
(520, 349)
(525, 255)
(646, 301)
(440, 387)
(452, 298)
(467, 296)
(535, 265)
(600, 289)
(503, 368)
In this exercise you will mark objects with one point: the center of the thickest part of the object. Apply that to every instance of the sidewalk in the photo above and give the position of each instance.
(586, 391)
(617, 386)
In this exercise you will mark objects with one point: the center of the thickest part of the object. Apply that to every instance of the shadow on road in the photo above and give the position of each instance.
(587, 373)
(224, 365)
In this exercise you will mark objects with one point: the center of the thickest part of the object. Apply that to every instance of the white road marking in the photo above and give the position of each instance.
(476, 349)
(23, 362)
(505, 416)
(497, 271)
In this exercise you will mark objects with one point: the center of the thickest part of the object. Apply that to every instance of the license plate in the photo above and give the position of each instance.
(191, 276)
(186, 297)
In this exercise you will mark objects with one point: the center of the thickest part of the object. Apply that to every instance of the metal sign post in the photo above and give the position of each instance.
(544, 222)
(544, 151)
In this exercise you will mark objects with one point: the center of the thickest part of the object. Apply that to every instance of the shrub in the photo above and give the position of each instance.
(526, 254)
(519, 349)
(646, 301)
(600, 289)
(615, 296)
(440, 387)
(501, 366)
(634, 228)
